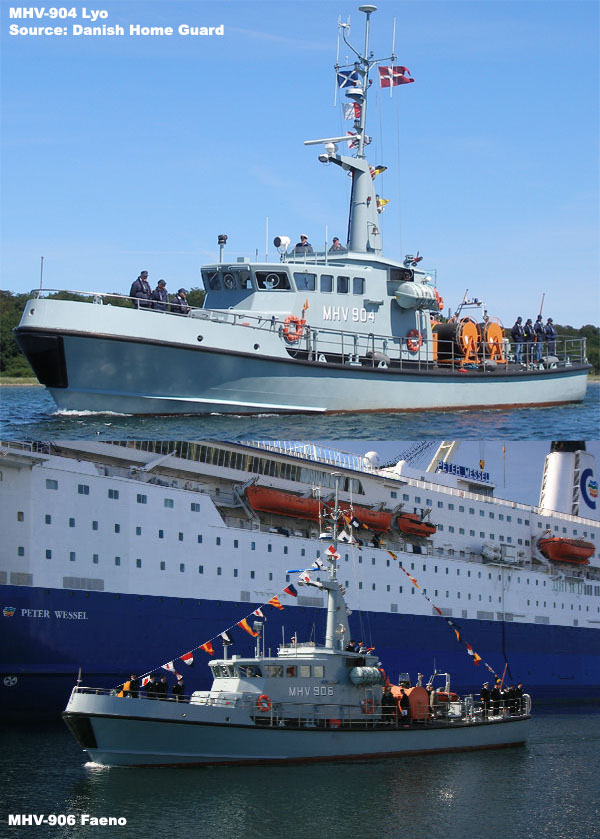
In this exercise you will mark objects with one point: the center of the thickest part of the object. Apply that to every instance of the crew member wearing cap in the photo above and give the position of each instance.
(179, 303)
(485, 698)
(336, 245)
(178, 688)
(529, 335)
(160, 297)
(303, 246)
(517, 336)
(141, 291)
(550, 336)
(540, 334)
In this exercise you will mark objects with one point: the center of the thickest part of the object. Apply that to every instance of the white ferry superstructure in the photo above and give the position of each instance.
(111, 548)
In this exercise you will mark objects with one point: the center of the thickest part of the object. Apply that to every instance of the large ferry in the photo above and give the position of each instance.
(121, 557)
(343, 328)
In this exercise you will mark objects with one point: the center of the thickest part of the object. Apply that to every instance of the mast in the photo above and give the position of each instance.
(337, 613)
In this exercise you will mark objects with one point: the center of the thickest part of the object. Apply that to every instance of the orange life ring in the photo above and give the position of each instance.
(263, 703)
(293, 334)
(414, 340)
(439, 298)
(334, 723)
(367, 706)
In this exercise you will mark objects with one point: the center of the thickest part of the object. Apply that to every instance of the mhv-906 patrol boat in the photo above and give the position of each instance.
(308, 702)
(345, 329)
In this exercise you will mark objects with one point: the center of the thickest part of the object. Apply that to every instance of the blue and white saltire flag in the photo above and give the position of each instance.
(348, 78)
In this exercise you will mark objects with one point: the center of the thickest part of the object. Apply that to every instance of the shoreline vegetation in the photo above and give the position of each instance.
(15, 370)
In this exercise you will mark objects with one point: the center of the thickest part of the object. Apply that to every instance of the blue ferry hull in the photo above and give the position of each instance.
(52, 633)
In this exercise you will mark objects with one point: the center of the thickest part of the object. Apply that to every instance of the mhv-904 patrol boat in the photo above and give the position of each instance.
(345, 329)
(308, 702)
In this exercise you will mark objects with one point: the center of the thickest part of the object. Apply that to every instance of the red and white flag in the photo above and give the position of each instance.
(259, 613)
(392, 76)
(168, 666)
(188, 659)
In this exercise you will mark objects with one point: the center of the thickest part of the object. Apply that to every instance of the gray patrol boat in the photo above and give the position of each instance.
(308, 702)
(345, 329)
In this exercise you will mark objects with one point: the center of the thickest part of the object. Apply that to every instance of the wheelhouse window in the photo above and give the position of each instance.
(272, 281)
(211, 280)
(305, 281)
(358, 285)
(326, 283)
(343, 285)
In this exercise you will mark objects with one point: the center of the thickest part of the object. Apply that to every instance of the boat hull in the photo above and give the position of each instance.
(143, 732)
(91, 359)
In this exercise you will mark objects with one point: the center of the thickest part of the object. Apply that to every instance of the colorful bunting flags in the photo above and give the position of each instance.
(188, 659)
(227, 639)
(247, 628)
(291, 590)
(259, 613)
(274, 601)
(208, 648)
(168, 666)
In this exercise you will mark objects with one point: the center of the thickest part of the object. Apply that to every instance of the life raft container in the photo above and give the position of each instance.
(334, 723)
(293, 328)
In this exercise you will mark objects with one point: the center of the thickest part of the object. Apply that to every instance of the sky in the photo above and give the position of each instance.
(126, 153)
(515, 473)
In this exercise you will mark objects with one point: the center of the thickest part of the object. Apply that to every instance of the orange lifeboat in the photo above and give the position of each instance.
(573, 551)
(414, 525)
(269, 500)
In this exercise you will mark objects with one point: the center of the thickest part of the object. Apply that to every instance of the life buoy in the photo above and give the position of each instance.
(367, 706)
(414, 340)
(439, 299)
(334, 723)
(263, 703)
(293, 328)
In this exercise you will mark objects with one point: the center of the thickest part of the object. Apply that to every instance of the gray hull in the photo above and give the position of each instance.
(169, 733)
(100, 358)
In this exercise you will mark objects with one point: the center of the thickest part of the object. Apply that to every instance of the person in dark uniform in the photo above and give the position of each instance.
(141, 291)
(160, 297)
(152, 688)
(303, 246)
(517, 335)
(162, 688)
(134, 687)
(351, 646)
(519, 698)
(178, 688)
(179, 303)
(550, 336)
(528, 336)
(388, 706)
(496, 698)
(336, 245)
(540, 335)
(485, 699)
(404, 705)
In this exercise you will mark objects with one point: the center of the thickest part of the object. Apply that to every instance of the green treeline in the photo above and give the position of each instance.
(13, 362)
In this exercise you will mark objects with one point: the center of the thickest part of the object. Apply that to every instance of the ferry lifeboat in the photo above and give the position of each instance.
(574, 551)
(269, 500)
(414, 525)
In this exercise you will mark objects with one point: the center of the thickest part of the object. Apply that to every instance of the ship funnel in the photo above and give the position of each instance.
(569, 482)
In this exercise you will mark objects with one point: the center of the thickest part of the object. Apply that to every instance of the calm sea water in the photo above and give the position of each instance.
(30, 413)
(548, 788)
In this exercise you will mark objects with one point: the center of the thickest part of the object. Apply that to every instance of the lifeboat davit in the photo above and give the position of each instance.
(414, 525)
(574, 551)
(269, 500)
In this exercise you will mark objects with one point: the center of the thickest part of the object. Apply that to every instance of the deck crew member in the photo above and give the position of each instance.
(336, 245)
(517, 336)
(404, 705)
(485, 698)
(528, 335)
(141, 291)
(152, 688)
(518, 693)
(496, 696)
(162, 688)
(178, 688)
(160, 297)
(134, 687)
(540, 335)
(179, 302)
(303, 246)
(550, 336)
(388, 706)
